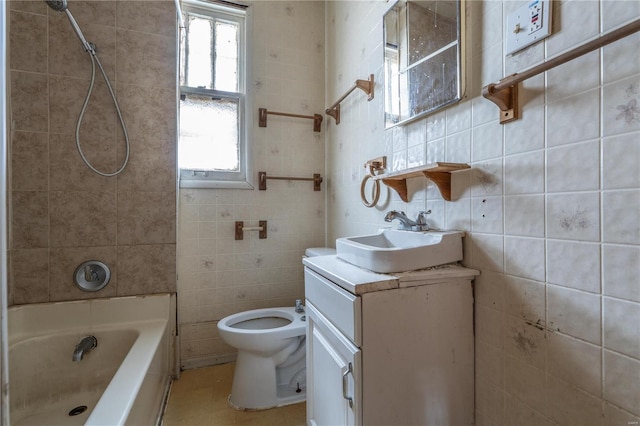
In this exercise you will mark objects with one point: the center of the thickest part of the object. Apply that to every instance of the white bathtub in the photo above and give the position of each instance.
(123, 381)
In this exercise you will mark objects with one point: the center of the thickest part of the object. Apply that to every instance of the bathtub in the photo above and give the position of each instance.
(123, 381)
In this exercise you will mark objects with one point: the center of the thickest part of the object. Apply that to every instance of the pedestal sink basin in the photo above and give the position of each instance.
(392, 250)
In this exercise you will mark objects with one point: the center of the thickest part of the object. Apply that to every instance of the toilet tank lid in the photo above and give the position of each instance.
(319, 251)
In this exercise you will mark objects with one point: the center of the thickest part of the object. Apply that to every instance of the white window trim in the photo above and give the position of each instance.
(245, 178)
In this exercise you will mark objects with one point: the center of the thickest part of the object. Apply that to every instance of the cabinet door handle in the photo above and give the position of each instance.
(345, 385)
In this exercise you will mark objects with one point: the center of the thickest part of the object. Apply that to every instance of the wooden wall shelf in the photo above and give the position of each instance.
(439, 173)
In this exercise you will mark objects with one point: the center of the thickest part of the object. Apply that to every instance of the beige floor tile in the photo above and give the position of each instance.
(199, 398)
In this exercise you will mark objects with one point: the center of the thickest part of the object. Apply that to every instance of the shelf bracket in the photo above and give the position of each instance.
(439, 173)
(506, 99)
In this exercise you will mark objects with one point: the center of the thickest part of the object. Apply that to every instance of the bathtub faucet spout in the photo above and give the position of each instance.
(86, 345)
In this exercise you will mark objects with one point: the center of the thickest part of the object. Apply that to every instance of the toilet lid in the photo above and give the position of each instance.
(319, 251)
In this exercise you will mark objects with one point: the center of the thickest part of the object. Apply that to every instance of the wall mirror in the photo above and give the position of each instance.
(423, 66)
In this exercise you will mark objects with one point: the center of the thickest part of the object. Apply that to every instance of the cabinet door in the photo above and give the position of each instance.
(333, 370)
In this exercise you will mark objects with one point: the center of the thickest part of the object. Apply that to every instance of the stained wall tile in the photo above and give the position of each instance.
(29, 101)
(144, 269)
(60, 209)
(29, 161)
(30, 272)
(28, 42)
(65, 261)
(30, 219)
(146, 217)
(83, 219)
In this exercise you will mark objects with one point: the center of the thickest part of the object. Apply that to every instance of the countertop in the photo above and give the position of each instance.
(359, 281)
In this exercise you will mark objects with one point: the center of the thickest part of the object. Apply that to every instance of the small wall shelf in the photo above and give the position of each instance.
(439, 173)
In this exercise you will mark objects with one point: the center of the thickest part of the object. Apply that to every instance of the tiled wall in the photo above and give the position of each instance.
(217, 275)
(61, 213)
(550, 205)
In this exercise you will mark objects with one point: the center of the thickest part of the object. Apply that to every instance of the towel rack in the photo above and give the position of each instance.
(262, 179)
(505, 92)
(262, 118)
(364, 85)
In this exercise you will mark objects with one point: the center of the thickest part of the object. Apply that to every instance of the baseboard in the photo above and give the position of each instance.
(208, 361)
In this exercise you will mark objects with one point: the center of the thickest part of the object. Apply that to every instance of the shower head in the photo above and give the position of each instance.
(62, 6)
(57, 5)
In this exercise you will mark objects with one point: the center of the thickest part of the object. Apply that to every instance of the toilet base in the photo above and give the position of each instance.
(255, 385)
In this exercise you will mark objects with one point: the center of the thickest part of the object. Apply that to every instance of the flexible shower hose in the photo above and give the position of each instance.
(94, 59)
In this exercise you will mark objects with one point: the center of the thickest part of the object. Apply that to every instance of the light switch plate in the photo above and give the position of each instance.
(528, 25)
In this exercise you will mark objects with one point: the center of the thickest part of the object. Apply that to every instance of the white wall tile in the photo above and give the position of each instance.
(621, 271)
(575, 361)
(486, 178)
(574, 216)
(567, 404)
(622, 381)
(489, 290)
(573, 264)
(459, 147)
(525, 342)
(616, 63)
(524, 173)
(486, 141)
(584, 72)
(558, 203)
(525, 299)
(622, 339)
(575, 313)
(486, 215)
(617, 12)
(525, 257)
(621, 221)
(524, 215)
(568, 167)
(620, 157)
(620, 109)
(526, 383)
(526, 134)
(574, 119)
(566, 33)
(487, 252)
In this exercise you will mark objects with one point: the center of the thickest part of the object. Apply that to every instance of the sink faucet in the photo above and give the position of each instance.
(420, 224)
(86, 345)
(299, 307)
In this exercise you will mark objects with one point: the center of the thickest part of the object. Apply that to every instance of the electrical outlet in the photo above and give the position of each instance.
(527, 25)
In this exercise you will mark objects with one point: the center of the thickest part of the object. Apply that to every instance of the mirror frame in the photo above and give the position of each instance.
(402, 96)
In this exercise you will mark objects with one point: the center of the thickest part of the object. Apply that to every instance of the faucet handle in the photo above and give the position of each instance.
(422, 217)
(421, 221)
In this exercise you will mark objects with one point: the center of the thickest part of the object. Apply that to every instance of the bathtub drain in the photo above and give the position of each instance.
(78, 410)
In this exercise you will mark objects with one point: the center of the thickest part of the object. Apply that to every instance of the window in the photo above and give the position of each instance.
(212, 146)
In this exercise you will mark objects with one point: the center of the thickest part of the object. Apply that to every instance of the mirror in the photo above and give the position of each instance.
(423, 67)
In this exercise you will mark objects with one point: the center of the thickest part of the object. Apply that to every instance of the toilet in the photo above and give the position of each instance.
(271, 364)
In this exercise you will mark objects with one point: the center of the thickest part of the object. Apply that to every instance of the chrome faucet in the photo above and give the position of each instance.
(86, 345)
(299, 307)
(420, 224)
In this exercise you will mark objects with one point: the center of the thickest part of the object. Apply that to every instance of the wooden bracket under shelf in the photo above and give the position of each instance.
(439, 173)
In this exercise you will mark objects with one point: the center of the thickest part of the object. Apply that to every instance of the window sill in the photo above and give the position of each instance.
(215, 184)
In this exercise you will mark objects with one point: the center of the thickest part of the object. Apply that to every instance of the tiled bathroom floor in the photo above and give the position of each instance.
(199, 398)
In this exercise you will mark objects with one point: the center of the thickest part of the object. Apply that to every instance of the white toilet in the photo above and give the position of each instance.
(271, 364)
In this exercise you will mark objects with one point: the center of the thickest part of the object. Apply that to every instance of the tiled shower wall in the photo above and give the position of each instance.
(551, 204)
(217, 275)
(61, 213)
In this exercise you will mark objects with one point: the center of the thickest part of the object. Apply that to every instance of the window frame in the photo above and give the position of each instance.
(243, 178)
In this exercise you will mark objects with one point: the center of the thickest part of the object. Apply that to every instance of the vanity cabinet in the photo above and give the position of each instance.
(388, 349)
